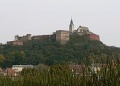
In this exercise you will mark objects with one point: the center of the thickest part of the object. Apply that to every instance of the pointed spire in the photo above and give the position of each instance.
(71, 26)
(71, 22)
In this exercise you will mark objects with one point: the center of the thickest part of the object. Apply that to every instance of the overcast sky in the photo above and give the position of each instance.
(40, 17)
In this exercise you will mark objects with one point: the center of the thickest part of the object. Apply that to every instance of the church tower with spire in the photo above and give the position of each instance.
(71, 26)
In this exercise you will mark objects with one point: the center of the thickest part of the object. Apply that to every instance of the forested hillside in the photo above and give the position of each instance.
(50, 52)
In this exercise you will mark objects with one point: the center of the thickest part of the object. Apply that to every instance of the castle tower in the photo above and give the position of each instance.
(71, 26)
(16, 38)
(62, 36)
(28, 36)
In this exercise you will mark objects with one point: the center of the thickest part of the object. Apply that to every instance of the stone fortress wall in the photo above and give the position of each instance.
(61, 36)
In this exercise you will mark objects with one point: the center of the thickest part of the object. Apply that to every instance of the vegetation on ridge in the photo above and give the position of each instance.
(50, 52)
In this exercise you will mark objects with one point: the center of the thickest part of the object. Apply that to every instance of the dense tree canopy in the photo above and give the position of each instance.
(51, 52)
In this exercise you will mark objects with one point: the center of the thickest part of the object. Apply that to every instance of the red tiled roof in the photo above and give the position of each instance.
(77, 68)
(10, 72)
(1, 70)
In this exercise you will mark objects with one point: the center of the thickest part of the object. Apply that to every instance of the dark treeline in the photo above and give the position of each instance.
(50, 52)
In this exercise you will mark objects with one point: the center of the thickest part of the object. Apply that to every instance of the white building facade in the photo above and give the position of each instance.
(19, 68)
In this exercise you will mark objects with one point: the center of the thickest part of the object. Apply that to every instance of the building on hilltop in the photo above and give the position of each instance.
(62, 36)
(23, 38)
(41, 37)
(71, 26)
(20, 43)
(83, 31)
(93, 37)
(19, 40)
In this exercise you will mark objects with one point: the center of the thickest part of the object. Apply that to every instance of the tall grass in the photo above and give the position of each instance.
(61, 75)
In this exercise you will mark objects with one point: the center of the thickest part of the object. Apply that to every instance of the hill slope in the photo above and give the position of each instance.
(50, 52)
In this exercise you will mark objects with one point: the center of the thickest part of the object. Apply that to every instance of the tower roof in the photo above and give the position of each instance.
(71, 22)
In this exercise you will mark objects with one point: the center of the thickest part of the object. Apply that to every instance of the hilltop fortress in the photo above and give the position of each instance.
(61, 36)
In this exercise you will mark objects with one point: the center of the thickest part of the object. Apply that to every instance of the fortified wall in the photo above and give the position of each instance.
(61, 36)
